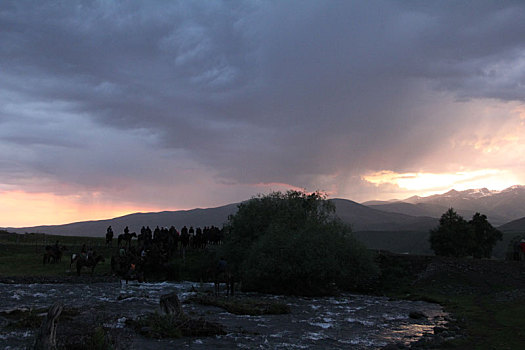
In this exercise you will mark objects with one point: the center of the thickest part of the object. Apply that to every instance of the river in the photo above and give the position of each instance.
(348, 321)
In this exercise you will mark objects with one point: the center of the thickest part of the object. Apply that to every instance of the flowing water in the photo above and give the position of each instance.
(344, 322)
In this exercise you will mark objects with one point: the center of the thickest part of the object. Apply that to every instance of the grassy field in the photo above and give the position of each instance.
(486, 297)
(22, 255)
(488, 322)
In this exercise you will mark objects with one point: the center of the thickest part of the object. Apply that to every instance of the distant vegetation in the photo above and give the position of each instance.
(456, 237)
(292, 243)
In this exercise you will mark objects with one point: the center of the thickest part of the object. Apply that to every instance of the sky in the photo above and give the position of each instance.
(114, 107)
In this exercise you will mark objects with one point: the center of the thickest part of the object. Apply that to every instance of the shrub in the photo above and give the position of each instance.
(293, 243)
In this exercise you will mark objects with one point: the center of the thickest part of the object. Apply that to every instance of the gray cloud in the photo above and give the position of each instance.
(246, 92)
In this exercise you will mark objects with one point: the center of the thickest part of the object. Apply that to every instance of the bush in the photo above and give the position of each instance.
(293, 243)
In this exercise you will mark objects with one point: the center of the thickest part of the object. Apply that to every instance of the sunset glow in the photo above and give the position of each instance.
(429, 183)
(153, 105)
(21, 209)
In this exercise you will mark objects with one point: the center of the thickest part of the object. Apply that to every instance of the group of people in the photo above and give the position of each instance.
(155, 247)
(170, 239)
(150, 254)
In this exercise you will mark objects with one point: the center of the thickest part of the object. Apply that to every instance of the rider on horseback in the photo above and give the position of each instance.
(83, 252)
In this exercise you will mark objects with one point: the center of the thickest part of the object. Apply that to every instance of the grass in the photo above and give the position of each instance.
(487, 322)
(489, 310)
(243, 306)
(22, 255)
(32, 318)
(99, 340)
(155, 325)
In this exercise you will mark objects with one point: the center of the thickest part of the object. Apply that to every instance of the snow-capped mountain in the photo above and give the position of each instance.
(499, 206)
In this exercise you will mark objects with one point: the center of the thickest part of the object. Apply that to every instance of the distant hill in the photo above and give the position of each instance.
(360, 217)
(434, 210)
(375, 202)
(410, 242)
(363, 218)
(420, 209)
(195, 217)
(517, 226)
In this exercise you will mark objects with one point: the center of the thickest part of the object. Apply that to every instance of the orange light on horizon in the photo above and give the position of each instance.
(22, 209)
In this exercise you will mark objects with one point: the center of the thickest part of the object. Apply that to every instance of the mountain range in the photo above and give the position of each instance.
(414, 214)
(499, 206)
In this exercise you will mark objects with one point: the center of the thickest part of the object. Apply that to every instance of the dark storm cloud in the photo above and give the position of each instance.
(254, 91)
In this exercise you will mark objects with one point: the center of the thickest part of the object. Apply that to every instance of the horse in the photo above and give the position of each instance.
(226, 278)
(126, 237)
(90, 262)
(223, 274)
(74, 258)
(134, 272)
(126, 270)
(53, 254)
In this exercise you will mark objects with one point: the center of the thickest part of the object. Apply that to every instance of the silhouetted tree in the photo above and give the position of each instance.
(485, 236)
(456, 237)
(292, 243)
(452, 237)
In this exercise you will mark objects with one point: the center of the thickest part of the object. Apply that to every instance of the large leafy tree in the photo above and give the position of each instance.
(456, 237)
(485, 236)
(293, 243)
(452, 236)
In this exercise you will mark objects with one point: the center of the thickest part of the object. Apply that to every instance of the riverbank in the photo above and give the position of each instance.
(486, 298)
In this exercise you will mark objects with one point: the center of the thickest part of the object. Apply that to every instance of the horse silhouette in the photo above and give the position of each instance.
(89, 262)
(223, 274)
(126, 237)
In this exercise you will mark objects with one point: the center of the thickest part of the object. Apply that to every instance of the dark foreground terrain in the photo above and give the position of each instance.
(484, 300)
(485, 297)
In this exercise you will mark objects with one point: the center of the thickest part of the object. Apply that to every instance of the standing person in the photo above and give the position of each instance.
(184, 241)
(191, 233)
(109, 236)
(199, 238)
(522, 246)
(83, 252)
